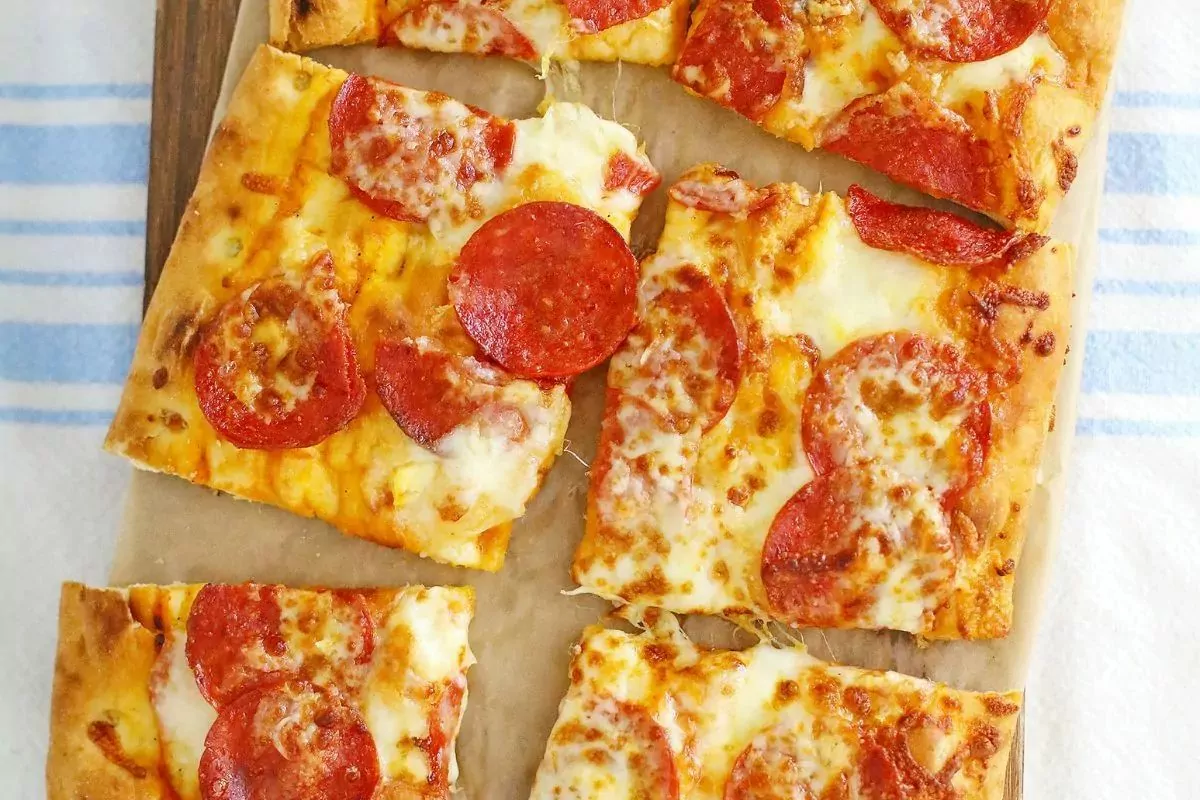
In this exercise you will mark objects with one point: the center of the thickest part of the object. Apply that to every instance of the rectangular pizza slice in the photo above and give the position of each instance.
(637, 31)
(652, 715)
(355, 322)
(830, 413)
(986, 103)
(219, 691)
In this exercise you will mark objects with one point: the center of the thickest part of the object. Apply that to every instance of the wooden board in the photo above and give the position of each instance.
(191, 44)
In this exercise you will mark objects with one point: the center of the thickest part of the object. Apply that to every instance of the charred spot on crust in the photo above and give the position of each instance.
(160, 377)
(1044, 344)
(302, 8)
(1006, 568)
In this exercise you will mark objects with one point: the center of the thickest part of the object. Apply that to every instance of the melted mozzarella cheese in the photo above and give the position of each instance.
(846, 290)
(184, 716)
(836, 76)
(789, 707)
(1036, 54)
(545, 22)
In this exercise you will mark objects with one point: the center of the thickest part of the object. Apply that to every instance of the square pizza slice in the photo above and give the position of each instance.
(653, 715)
(222, 691)
(356, 321)
(985, 103)
(637, 31)
(829, 414)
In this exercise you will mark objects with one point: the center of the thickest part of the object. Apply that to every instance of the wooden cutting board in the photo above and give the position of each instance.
(191, 44)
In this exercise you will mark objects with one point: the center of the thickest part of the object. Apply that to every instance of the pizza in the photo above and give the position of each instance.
(535, 31)
(226, 692)
(986, 103)
(375, 301)
(653, 715)
(830, 413)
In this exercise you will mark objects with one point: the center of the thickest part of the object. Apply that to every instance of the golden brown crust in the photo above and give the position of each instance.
(103, 735)
(655, 39)
(235, 233)
(998, 505)
(300, 25)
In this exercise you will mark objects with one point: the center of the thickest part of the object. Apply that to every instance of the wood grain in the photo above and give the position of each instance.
(190, 47)
(191, 42)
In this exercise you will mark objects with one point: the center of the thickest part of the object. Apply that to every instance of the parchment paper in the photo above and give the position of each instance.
(525, 626)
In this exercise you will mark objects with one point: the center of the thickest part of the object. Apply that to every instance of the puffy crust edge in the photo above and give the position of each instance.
(1021, 416)
(101, 677)
(299, 25)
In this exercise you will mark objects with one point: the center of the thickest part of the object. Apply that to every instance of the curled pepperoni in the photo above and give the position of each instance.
(276, 369)
(963, 30)
(462, 26)
(546, 289)
(743, 54)
(724, 193)
(844, 534)
(240, 637)
(684, 357)
(936, 236)
(409, 154)
(591, 16)
(289, 741)
(429, 391)
(636, 175)
(915, 142)
(913, 403)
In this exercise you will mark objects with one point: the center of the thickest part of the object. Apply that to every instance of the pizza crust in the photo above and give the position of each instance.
(654, 39)
(300, 25)
(101, 684)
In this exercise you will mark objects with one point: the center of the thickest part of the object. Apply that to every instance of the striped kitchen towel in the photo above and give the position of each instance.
(1120, 633)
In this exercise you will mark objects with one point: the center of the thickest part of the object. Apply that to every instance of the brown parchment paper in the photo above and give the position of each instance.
(524, 627)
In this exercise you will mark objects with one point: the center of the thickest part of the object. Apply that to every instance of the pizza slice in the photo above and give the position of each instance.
(224, 692)
(356, 322)
(830, 413)
(985, 103)
(637, 31)
(653, 715)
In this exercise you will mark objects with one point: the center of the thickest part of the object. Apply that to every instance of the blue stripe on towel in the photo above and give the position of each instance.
(74, 154)
(66, 353)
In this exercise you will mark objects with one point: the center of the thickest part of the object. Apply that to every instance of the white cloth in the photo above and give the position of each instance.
(1113, 694)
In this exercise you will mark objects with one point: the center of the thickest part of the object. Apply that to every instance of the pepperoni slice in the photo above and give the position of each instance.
(590, 16)
(635, 175)
(546, 289)
(936, 236)
(276, 369)
(289, 741)
(443, 726)
(848, 532)
(240, 637)
(742, 54)
(900, 397)
(627, 742)
(771, 768)
(430, 392)
(915, 142)
(963, 30)
(409, 154)
(723, 193)
(461, 26)
(684, 357)
(888, 763)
